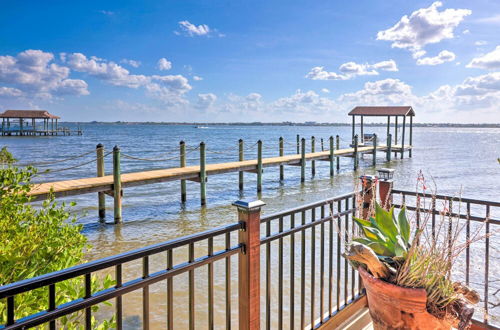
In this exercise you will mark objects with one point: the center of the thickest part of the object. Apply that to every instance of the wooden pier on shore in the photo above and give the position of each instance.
(33, 123)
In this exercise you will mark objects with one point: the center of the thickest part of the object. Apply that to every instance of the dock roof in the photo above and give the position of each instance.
(36, 114)
(382, 111)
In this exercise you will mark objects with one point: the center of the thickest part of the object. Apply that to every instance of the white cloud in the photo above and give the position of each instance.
(487, 61)
(34, 73)
(466, 31)
(132, 63)
(107, 12)
(197, 78)
(350, 70)
(164, 64)
(442, 57)
(325, 90)
(387, 91)
(10, 92)
(302, 103)
(253, 97)
(192, 30)
(206, 101)
(481, 43)
(424, 26)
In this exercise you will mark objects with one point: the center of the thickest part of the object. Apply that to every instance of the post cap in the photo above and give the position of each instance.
(249, 204)
(116, 148)
(369, 178)
(99, 146)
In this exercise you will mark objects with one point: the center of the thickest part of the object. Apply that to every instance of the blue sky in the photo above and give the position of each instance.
(250, 60)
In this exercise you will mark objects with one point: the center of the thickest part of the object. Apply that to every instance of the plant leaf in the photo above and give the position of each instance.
(363, 222)
(381, 249)
(385, 222)
(404, 226)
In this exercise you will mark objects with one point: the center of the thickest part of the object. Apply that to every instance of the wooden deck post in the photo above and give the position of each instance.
(241, 157)
(259, 166)
(356, 159)
(403, 138)
(337, 148)
(331, 156)
(374, 160)
(203, 175)
(313, 150)
(100, 173)
(411, 136)
(298, 144)
(182, 149)
(385, 192)
(303, 161)
(117, 185)
(249, 264)
(389, 147)
(282, 153)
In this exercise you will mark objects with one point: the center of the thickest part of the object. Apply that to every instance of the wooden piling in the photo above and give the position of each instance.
(396, 135)
(322, 145)
(100, 172)
(241, 157)
(303, 161)
(389, 147)
(298, 144)
(259, 166)
(356, 159)
(313, 162)
(411, 136)
(203, 175)
(282, 153)
(331, 156)
(403, 138)
(337, 138)
(183, 164)
(117, 185)
(374, 159)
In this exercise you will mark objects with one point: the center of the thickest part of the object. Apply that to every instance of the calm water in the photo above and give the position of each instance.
(457, 159)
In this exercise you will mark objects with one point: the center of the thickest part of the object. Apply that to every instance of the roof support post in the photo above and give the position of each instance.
(21, 126)
(353, 124)
(396, 136)
(362, 133)
(411, 136)
(388, 126)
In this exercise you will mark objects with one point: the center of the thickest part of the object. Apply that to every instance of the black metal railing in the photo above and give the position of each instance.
(169, 271)
(476, 213)
(321, 291)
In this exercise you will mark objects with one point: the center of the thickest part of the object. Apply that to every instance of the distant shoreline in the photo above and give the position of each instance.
(497, 125)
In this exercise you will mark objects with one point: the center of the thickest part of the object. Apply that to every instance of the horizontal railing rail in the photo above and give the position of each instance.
(470, 210)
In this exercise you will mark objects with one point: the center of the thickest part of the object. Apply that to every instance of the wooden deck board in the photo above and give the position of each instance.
(96, 184)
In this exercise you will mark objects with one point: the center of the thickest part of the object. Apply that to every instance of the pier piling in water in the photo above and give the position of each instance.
(241, 157)
(259, 166)
(337, 148)
(282, 153)
(100, 173)
(117, 185)
(389, 147)
(183, 164)
(203, 175)
(356, 158)
(303, 161)
(313, 150)
(331, 159)
(374, 159)
(298, 144)
(403, 138)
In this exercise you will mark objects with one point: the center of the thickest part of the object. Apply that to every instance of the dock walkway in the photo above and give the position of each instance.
(105, 183)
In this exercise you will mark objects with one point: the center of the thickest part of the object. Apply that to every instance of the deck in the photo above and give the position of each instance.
(105, 183)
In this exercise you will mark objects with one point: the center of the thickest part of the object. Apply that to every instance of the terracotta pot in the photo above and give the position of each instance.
(395, 307)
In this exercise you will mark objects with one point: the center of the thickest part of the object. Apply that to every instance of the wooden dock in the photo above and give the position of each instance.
(106, 183)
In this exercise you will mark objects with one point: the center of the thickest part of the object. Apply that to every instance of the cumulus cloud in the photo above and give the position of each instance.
(205, 101)
(442, 57)
(192, 30)
(387, 91)
(350, 70)
(164, 64)
(197, 78)
(487, 61)
(34, 73)
(481, 43)
(303, 102)
(325, 90)
(424, 26)
(10, 92)
(132, 63)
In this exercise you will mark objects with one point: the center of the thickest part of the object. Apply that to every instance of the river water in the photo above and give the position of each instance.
(459, 160)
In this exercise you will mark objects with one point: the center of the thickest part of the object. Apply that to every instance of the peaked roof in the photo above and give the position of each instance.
(382, 111)
(37, 114)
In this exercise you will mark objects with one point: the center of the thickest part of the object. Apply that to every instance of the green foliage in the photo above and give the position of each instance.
(385, 235)
(6, 157)
(37, 241)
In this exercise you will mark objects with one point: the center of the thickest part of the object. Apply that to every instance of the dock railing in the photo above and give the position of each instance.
(290, 273)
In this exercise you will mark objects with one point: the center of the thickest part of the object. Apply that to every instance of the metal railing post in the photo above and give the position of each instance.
(117, 185)
(100, 173)
(249, 264)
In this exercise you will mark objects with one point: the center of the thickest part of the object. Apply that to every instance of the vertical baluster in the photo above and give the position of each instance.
(228, 283)
(10, 310)
(292, 273)
(313, 267)
(145, 294)
(119, 299)
(280, 276)
(303, 273)
(487, 264)
(191, 288)
(330, 264)
(353, 230)
(339, 240)
(210, 285)
(346, 263)
(88, 294)
(467, 248)
(268, 277)
(322, 265)
(52, 304)
(170, 292)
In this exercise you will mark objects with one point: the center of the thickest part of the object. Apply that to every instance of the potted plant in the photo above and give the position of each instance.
(406, 273)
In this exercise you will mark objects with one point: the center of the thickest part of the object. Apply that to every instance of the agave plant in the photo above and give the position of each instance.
(384, 234)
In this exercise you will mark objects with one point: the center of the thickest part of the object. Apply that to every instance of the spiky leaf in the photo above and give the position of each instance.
(404, 226)
(385, 222)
